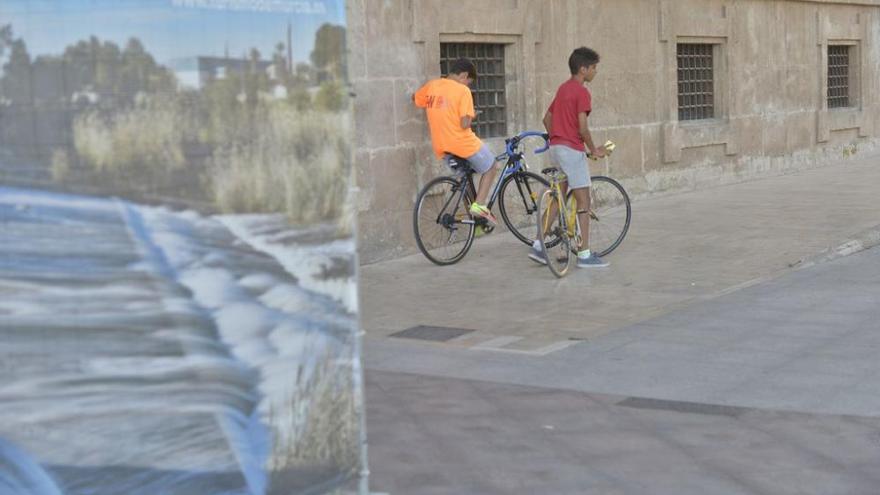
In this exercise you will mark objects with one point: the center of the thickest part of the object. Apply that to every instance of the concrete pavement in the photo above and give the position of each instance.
(768, 390)
(680, 249)
(807, 341)
(729, 349)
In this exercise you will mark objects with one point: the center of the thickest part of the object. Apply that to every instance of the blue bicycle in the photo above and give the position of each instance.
(443, 225)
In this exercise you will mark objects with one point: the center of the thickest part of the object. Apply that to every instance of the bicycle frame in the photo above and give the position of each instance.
(569, 214)
(515, 161)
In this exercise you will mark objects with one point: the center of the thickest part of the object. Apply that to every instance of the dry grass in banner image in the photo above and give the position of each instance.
(315, 425)
(297, 163)
(142, 148)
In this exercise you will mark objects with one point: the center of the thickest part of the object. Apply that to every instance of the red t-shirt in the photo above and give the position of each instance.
(571, 99)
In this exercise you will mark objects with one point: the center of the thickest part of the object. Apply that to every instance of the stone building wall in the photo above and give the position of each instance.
(770, 72)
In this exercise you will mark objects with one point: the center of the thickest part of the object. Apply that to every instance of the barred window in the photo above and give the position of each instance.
(696, 81)
(838, 76)
(490, 99)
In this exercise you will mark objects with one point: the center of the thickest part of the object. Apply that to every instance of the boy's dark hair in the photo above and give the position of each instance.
(463, 65)
(582, 57)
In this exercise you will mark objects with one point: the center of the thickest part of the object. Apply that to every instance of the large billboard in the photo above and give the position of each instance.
(177, 261)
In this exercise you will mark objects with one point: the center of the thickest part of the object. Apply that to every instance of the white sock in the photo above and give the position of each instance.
(584, 254)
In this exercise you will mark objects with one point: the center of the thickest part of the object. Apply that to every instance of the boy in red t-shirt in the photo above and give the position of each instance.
(566, 122)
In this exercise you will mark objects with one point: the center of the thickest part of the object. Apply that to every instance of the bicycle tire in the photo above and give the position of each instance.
(519, 210)
(444, 246)
(556, 244)
(611, 215)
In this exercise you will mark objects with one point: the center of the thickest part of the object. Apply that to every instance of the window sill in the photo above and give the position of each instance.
(701, 123)
(838, 119)
(844, 118)
(678, 135)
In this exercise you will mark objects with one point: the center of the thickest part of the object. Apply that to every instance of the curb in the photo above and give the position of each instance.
(862, 241)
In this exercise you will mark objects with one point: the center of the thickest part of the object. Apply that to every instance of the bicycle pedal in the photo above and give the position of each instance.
(484, 224)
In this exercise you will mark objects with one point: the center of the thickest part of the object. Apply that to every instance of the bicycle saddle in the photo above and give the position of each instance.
(550, 170)
(458, 163)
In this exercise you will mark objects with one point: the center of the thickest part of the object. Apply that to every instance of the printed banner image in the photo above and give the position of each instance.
(178, 293)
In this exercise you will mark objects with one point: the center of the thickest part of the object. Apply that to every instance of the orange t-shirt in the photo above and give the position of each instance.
(446, 102)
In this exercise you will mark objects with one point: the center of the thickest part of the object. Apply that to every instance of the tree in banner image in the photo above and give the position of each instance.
(329, 52)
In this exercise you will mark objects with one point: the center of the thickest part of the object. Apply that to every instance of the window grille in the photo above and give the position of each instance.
(696, 81)
(489, 93)
(838, 76)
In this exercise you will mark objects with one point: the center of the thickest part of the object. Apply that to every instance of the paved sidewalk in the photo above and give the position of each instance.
(681, 249)
(767, 390)
(805, 342)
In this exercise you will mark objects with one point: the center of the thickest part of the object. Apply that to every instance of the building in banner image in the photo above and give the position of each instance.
(198, 72)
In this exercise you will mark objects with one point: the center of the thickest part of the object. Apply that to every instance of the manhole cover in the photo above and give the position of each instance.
(436, 334)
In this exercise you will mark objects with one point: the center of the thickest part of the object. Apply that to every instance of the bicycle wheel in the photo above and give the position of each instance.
(442, 224)
(610, 215)
(555, 241)
(518, 203)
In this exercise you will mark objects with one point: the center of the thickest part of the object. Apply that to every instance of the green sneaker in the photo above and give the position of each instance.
(481, 211)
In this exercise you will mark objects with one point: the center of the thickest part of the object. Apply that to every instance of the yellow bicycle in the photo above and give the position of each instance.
(559, 231)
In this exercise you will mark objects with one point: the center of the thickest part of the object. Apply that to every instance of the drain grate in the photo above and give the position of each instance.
(435, 334)
(683, 407)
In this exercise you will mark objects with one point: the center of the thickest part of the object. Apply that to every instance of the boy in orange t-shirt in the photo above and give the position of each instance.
(449, 106)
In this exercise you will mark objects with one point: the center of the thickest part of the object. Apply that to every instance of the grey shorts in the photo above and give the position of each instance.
(481, 161)
(573, 163)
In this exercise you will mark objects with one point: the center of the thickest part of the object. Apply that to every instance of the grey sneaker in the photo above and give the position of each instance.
(592, 261)
(538, 256)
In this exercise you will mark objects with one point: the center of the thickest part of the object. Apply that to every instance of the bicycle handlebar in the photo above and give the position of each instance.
(514, 141)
